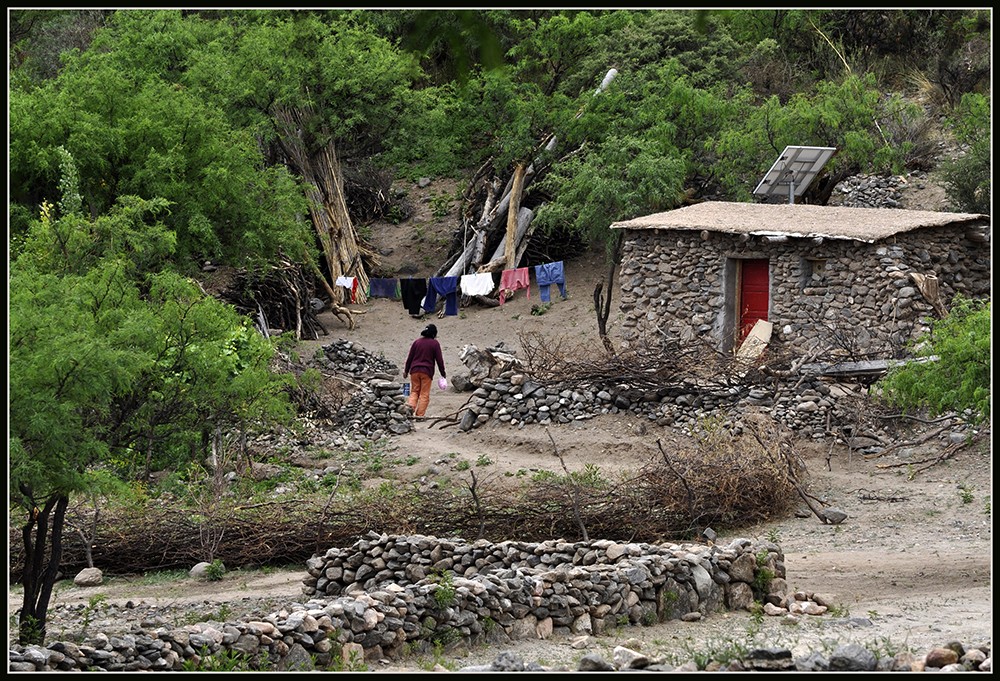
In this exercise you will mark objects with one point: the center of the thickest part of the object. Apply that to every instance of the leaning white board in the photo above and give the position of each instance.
(753, 345)
(756, 340)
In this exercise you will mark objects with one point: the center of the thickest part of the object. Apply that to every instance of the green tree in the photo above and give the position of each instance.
(643, 143)
(872, 132)
(107, 362)
(451, 44)
(38, 38)
(968, 178)
(314, 91)
(133, 130)
(956, 374)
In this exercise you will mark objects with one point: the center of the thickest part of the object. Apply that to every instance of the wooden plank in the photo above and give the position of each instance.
(753, 346)
(756, 341)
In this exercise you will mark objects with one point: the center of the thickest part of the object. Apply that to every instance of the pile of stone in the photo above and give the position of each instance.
(869, 191)
(375, 408)
(347, 357)
(699, 576)
(804, 403)
(515, 398)
(807, 404)
(850, 657)
(401, 595)
(375, 411)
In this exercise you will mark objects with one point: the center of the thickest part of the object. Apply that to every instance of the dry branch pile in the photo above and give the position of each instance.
(663, 366)
(368, 192)
(724, 481)
(316, 395)
(277, 300)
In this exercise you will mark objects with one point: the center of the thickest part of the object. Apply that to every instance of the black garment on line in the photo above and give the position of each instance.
(413, 292)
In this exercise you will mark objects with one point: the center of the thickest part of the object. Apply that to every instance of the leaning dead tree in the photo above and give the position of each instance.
(315, 161)
(496, 228)
(602, 299)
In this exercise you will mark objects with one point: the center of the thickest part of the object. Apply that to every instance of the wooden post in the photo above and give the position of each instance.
(515, 204)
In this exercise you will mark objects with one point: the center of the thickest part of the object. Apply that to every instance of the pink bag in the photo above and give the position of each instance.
(442, 383)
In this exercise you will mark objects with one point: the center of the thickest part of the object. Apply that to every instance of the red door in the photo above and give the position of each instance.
(753, 294)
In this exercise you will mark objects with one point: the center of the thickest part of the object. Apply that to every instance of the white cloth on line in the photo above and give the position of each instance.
(480, 284)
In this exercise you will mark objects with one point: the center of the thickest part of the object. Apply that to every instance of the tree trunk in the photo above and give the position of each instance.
(319, 167)
(341, 311)
(520, 243)
(88, 540)
(602, 304)
(38, 576)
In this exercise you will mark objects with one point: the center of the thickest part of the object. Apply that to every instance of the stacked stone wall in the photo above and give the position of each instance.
(387, 596)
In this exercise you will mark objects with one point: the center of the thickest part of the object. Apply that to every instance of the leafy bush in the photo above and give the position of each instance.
(215, 570)
(956, 375)
(444, 595)
(224, 661)
(968, 179)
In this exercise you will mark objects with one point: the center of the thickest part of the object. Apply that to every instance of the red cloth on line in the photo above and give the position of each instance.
(514, 280)
(351, 283)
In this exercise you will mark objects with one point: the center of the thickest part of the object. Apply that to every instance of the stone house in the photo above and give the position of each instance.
(874, 276)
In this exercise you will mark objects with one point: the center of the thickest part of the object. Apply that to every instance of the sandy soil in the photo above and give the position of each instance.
(913, 559)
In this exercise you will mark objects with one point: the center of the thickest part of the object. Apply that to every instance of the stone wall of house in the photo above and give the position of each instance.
(836, 291)
(389, 595)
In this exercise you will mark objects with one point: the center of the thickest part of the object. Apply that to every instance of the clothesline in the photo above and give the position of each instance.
(420, 295)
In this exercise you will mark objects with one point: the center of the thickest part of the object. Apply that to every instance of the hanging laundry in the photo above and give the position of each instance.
(514, 280)
(480, 284)
(383, 288)
(412, 292)
(548, 274)
(350, 283)
(443, 286)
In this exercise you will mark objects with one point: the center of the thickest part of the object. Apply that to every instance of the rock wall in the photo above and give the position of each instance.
(812, 405)
(802, 403)
(387, 596)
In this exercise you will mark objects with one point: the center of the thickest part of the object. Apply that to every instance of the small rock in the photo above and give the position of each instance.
(89, 577)
(834, 516)
(592, 662)
(940, 657)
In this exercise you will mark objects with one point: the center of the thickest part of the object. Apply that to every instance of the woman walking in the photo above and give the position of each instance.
(424, 353)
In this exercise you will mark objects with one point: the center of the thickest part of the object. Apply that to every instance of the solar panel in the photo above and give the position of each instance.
(794, 171)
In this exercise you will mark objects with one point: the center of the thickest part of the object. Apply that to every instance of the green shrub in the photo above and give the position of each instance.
(444, 595)
(223, 661)
(959, 379)
(215, 570)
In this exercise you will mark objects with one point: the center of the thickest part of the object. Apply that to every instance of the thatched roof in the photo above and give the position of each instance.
(832, 222)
